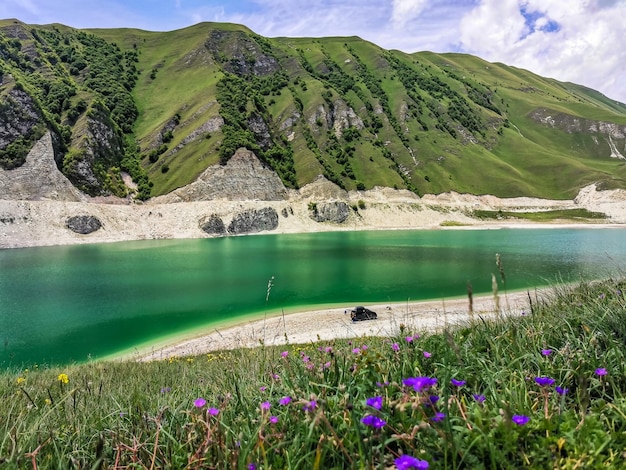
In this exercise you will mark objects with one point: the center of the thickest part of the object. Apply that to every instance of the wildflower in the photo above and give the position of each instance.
(63, 378)
(356, 350)
(275, 376)
(273, 419)
(373, 421)
(364, 347)
(561, 390)
(199, 402)
(427, 354)
(213, 411)
(457, 383)
(166, 390)
(602, 296)
(433, 399)
(420, 384)
(600, 371)
(546, 352)
(328, 349)
(326, 365)
(544, 381)
(409, 339)
(47, 401)
(284, 353)
(310, 406)
(520, 420)
(438, 417)
(265, 406)
(251, 466)
(408, 462)
(284, 401)
(20, 380)
(395, 347)
(375, 402)
(306, 359)
(479, 398)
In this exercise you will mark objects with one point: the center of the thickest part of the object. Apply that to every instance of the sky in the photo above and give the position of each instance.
(580, 41)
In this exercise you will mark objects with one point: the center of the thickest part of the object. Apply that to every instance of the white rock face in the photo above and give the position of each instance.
(38, 178)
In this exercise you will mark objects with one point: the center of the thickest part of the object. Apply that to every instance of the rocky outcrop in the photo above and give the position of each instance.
(254, 221)
(213, 225)
(21, 124)
(83, 224)
(243, 178)
(38, 178)
(615, 134)
(336, 212)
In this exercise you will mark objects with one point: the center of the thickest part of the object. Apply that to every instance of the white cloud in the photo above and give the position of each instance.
(407, 10)
(579, 41)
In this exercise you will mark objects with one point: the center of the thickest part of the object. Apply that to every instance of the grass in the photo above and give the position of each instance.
(544, 389)
(577, 215)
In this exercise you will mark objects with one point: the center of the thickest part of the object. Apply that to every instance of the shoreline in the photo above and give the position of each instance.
(310, 325)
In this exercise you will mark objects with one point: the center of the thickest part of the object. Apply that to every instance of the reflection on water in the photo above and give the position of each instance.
(63, 304)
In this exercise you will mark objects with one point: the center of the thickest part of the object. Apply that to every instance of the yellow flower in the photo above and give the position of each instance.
(20, 380)
(63, 378)
(48, 401)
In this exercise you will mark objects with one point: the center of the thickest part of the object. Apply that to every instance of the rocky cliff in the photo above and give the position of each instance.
(243, 178)
(38, 178)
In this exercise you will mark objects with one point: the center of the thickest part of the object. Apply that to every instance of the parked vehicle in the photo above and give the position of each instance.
(362, 313)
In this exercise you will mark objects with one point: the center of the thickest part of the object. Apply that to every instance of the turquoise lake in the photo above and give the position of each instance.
(68, 304)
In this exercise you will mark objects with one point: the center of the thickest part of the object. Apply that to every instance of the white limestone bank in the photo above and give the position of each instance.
(39, 207)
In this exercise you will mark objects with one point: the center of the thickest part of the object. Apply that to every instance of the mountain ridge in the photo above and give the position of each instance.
(165, 106)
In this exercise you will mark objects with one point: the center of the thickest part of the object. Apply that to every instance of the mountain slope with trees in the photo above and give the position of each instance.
(163, 106)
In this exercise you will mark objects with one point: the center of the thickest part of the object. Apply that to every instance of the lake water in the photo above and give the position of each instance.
(72, 303)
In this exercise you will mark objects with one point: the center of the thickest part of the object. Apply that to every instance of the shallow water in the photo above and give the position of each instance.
(72, 303)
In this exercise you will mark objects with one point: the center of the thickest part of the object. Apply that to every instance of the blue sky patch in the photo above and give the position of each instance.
(531, 20)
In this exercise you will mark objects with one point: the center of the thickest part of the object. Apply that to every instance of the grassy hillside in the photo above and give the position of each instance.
(350, 110)
(543, 389)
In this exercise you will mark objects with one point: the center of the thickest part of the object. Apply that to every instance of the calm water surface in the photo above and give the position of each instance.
(72, 303)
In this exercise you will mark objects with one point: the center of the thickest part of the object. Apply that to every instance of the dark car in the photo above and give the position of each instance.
(362, 313)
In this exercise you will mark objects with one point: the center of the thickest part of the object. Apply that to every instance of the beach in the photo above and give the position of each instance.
(334, 323)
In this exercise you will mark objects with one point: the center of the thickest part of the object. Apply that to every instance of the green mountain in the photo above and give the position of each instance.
(163, 106)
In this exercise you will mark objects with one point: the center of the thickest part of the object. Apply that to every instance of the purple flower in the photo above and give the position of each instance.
(600, 371)
(199, 402)
(251, 466)
(546, 352)
(375, 402)
(544, 381)
(457, 383)
(273, 419)
(409, 339)
(479, 398)
(364, 347)
(433, 399)
(265, 406)
(561, 390)
(420, 384)
(373, 421)
(213, 411)
(395, 347)
(520, 420)
(356, 350)
(427, 354)
(165, 389)
(310, 406)
(438, 417)
(408, 462)
(262, 389)
(284, 353)
(284, 401)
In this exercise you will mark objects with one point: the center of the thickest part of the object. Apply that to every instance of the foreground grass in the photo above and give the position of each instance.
(545, 390)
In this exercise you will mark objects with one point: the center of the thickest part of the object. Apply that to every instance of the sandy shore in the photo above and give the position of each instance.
(327, 324)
